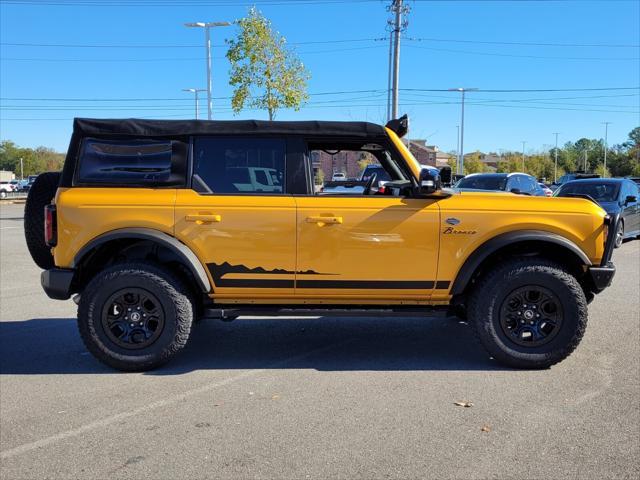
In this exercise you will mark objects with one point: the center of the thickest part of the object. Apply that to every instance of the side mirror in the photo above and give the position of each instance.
(516, 191)
(445, 175)
(630, 199)
(429, 183)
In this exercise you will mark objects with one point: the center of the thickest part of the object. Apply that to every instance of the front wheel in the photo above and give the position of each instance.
(135, 316)
(619, 234)
(529, 313)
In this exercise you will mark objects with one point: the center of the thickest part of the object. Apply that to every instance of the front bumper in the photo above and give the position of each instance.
(602, 276)
(57, 282)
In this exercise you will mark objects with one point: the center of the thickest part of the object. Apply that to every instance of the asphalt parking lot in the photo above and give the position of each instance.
(313, 398)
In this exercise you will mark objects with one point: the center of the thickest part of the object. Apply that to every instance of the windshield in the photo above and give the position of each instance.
(482, 182)
(600, 192)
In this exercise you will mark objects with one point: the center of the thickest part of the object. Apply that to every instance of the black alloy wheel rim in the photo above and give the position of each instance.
(133, 318)
(619, 234)
(531, 316)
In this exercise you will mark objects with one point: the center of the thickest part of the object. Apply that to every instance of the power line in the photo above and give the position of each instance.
(513, 55)
(533, 44)
(80, 45)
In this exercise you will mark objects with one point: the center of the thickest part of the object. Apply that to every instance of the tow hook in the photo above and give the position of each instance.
(76, 299)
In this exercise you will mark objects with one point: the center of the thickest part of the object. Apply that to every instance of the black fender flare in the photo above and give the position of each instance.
(189, 258)
(494, 244)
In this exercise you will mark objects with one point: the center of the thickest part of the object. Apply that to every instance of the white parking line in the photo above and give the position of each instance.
(105, 422)
(8, 228)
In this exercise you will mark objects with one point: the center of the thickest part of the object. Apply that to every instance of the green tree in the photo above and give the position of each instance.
(36, 161)
(265, 73)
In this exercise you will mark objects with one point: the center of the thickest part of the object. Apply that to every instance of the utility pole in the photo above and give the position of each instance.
(555, 166)
(585, 160)
(523, 144)
(399, 9)
(207, 45)
(458, 148)
(390, 76)
(195, 92)
(461, 153)
(606, 147)
(21, 169)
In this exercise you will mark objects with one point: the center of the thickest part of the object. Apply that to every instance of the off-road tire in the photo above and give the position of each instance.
(41, 194)
(498, 284)
(174, 298)
(619, 238)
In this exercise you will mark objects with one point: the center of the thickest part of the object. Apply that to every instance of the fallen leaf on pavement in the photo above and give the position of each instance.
(463, 403)
(486, 428)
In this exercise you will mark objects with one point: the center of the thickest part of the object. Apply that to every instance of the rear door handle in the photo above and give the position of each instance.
(325, 220)
(200, 219)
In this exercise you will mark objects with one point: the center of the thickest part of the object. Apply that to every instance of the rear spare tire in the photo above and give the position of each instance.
(41, 194)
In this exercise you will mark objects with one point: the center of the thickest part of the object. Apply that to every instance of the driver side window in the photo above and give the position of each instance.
(350, 168)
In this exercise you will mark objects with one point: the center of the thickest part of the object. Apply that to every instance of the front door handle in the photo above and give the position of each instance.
(325, 220)
(200, 219)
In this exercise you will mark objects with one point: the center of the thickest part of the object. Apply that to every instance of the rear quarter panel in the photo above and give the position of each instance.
(86, 213)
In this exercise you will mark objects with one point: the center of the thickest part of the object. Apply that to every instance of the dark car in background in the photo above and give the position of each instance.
(569, 177)
(617, 196)
(520, 183)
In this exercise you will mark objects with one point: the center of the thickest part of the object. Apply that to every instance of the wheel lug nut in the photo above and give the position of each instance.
(140, 323)
(537, 315)
(128, 309)
(531, 323)
(521, 321)
(131, 324)
(519, 313)
(138, 308)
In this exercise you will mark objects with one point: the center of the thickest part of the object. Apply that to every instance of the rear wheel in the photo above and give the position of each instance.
(135, 316)
(529, 313)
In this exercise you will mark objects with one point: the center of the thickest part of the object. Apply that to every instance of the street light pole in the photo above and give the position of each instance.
(606, 131)
(523, 144)
(458, 148)
(397, 6)
(195, 92)
(207, 43)
(555, 167)
(21, 169)
(461, 153)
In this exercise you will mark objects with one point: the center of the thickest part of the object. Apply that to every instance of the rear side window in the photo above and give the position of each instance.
(239, 165)
(135, 162)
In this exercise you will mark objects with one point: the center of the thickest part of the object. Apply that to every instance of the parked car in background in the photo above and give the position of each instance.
(519, 183)
(617, 196)
(24, 185)
(569, 177)
(6, 188)
(547, 191)
(338, 176)
(635, 179)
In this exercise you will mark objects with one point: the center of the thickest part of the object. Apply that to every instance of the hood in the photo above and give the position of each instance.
(610, 207)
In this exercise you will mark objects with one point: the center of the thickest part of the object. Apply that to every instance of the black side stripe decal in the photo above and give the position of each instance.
(219, 271)
(368, 284)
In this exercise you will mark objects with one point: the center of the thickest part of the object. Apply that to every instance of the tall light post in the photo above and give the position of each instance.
(461, 153)
(207, 43)
(606, 131)
(21, 169)
(458, 147)
(523, 144)
(555, 166)
(195, 92)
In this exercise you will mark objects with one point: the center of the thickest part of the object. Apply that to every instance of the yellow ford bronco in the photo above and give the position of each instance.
(154, 224)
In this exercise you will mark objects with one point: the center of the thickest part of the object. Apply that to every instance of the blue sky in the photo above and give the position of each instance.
(482, 44)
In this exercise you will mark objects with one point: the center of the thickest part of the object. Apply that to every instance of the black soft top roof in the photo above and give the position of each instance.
(152, 128)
